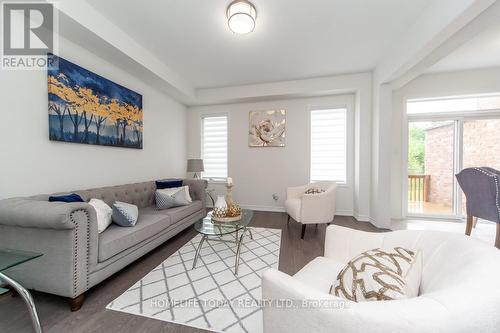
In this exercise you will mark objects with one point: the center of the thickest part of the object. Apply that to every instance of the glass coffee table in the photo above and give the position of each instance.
(10, 258)
(213, 231)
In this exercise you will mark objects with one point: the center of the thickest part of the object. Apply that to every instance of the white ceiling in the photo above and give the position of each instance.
(293, 39)
(482, 51)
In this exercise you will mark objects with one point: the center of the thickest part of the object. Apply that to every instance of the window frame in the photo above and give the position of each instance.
(349, 172)
(452, 98)
(202, 136)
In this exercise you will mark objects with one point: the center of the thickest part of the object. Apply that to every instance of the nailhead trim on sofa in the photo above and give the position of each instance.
(75, 252)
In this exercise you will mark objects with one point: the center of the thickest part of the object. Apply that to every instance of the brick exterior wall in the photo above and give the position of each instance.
(439, 163)
(482, 143)
(481, 147)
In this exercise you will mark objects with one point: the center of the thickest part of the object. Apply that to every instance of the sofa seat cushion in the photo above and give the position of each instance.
(116, 239)
(320, 273)
(152, 210)
(178, 213)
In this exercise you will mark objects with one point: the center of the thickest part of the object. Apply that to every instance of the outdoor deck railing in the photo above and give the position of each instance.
(419, 188)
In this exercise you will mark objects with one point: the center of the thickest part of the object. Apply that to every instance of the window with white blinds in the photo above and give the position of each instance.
(329, 145)
(214, 146)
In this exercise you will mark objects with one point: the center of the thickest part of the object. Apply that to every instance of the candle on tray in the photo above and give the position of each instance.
(229, 188)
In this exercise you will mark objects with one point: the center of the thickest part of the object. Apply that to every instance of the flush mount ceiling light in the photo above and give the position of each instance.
(241, 15)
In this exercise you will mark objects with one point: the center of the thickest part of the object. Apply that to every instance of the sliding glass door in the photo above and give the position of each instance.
(445, 136)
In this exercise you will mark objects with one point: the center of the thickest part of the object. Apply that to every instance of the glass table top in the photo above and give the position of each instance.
(10, 258)
(213, 228)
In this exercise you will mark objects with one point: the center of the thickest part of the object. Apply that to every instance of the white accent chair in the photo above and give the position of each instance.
(459, 291)
(311, 208)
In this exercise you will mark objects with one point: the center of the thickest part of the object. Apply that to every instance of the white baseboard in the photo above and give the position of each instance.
(341, 212)
(362, 218)
(358, 217)
(264, 208)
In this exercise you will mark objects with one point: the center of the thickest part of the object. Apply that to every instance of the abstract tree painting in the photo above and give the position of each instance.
(267, 128)
(87, 108)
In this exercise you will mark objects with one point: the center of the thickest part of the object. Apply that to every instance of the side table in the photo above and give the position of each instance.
(10, 258)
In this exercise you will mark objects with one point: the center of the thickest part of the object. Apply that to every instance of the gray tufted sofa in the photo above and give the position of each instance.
(75, 256)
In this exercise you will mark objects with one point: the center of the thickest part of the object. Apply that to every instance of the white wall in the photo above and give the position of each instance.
(260, 172)
(31, 164)
(430, 85)
(359, 84)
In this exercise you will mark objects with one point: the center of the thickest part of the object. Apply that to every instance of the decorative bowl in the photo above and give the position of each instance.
(226, 219)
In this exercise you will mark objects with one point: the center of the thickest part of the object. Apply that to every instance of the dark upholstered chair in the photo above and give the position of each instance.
(482, 190)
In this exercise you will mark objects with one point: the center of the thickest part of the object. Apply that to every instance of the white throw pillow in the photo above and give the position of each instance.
(380, 275)
(188, 196)
(104, 213)
(174, 190)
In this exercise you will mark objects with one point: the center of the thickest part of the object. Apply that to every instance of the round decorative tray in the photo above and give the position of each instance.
(226, 219)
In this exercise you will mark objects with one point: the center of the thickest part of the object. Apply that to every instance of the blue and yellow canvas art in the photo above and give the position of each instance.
(87, 108)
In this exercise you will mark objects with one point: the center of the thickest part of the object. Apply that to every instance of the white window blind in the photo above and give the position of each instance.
(329, 145)
(214, 146)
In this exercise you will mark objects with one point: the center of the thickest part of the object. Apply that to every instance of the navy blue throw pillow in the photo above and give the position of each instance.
(161, 184)
(73, 197)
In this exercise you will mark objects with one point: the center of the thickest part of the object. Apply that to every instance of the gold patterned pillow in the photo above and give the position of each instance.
(379, 275)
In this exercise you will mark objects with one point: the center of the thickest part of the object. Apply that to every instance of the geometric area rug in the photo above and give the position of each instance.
(210, 296)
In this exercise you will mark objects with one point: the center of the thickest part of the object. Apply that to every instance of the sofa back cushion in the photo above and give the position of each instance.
(139, 194)
(450, 260)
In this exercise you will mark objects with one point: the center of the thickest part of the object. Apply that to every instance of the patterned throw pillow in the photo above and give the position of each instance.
(124, 214)
(164, 199)
(379, 275)
(314, 190)
(173, 190)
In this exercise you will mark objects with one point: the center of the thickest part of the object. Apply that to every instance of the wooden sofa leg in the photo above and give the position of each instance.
(497, 242)
(77, 302)
(303, 231)
(288, 221)
(470, 222)
(13, 292)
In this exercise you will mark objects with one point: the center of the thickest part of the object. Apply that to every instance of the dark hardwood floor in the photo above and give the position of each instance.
(93, 317)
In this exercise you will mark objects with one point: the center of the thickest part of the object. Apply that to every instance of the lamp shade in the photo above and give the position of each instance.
(195, 165)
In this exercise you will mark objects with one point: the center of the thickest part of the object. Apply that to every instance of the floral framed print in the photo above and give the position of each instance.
(267, 128)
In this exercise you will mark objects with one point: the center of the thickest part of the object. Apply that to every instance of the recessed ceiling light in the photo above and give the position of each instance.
(241, 15)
